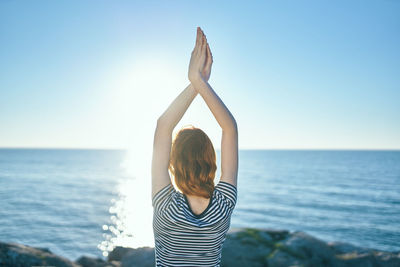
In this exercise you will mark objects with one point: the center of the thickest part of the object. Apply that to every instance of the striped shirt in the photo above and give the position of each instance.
(183, 238)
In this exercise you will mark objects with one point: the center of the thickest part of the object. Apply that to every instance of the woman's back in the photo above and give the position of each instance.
(198, 204)
(183, 238)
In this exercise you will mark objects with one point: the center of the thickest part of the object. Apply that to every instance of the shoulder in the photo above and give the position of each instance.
(226, 187)
(228, 192)
(162, 196)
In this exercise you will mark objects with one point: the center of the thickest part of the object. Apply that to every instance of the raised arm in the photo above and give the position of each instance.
(163, 138)
(163, 134)
(229, 142)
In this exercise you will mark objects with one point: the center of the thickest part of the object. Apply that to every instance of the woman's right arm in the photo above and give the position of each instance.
(229, 142)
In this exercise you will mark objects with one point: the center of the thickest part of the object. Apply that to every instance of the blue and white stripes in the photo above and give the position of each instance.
(186, 239)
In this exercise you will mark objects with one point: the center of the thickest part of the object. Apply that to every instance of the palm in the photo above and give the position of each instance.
(201, 59)
(206, 72)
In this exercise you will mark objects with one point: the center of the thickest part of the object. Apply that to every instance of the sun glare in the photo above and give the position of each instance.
(139, 97)
(140, 91)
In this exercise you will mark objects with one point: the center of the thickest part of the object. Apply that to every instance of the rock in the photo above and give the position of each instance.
(387, 258)
(274, 248)
(374, 258)
(118, 253)
(305, 246)
(243, 247)
(343, 248)
(276, 234)
(43, 249)
(356, 260)
(143, 256)
(349, 255)
(85, 261)
(12, 254)
(281, 258)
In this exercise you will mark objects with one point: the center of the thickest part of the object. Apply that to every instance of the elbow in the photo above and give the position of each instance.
(231, 127)
(162, 124)
(234, 124)
(235, 127)
(161, 121)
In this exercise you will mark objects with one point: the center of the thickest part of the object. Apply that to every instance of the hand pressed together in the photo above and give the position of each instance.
(200, 60)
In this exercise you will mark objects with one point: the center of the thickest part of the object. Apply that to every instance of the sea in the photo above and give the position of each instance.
(85, 202)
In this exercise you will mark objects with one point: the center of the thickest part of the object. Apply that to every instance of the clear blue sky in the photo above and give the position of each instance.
(295, 74)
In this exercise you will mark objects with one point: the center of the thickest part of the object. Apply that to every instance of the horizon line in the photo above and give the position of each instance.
(217, 149)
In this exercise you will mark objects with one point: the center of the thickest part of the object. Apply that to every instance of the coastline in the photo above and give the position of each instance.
(242, 247)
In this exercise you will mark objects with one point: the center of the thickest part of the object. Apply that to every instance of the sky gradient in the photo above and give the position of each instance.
(295, 74)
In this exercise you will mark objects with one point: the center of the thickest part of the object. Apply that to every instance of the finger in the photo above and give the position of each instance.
(198, 38)
(208, 59)
(201, 35)
(208, 63)
(203, 44)
(209, 55)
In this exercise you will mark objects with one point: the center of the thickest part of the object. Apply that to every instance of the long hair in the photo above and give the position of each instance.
(193, 162)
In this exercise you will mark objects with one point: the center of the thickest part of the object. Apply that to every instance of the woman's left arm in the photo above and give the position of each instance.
(163, 138)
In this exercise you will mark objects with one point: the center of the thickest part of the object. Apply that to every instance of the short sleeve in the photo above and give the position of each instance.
(161, 197)
(228, 191)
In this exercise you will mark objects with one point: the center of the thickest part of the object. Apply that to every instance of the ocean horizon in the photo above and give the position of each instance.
(87, 201)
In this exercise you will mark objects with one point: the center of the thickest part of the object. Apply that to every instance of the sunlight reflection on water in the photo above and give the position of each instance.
(136, 110)
(131, 212)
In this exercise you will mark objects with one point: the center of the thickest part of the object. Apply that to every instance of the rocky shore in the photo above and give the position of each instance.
(243, 247)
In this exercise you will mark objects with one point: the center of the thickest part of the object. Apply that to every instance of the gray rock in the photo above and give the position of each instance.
(85, 261)
(305, 246)
(356, 260)
(276, 234)
(275, 248)
(281, 258)
(43, 249)
(12, 254)
(387, 258)
(118, 253)
(244, 251)
(143, 256)
(373, 258)
(243, 247)
(343, 248)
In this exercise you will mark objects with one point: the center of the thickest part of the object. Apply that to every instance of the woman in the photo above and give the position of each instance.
(190, 226)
